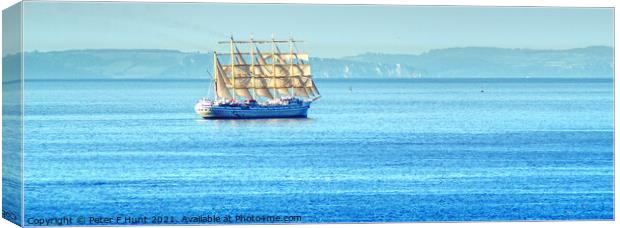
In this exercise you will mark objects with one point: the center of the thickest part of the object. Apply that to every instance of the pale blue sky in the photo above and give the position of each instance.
(330, 30)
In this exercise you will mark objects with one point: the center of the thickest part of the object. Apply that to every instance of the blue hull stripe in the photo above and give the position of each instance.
(238, 113)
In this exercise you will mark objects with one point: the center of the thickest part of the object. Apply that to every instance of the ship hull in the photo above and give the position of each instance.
(254, 112)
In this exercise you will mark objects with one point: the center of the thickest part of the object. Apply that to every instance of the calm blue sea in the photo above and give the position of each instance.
(370, 151)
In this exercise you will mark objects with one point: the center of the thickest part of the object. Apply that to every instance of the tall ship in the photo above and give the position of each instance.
(249, 82)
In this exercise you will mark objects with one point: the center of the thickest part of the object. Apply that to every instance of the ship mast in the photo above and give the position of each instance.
(252, 66)
(288, 74)
(290, 69)
(232, 59)
(273, 64)
(215, 71)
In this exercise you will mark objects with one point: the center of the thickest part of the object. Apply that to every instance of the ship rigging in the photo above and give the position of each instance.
(251, 83)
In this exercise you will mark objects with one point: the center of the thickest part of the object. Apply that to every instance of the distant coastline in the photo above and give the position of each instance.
(465, 62)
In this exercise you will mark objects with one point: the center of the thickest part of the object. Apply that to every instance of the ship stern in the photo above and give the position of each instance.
(204, 109)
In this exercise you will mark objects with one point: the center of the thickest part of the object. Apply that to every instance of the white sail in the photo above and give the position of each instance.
(261, 87)
(262, 69)
(300, 91)
(309, 91)
(221, 87)
(243, 83)
(283, 92)
(266, 71)
(222, 74)
(297, 82)
(241, 71)
(278, 56)
(262, 83)
(307, 86)
(301, 69)
(260, 57)
(238, 56)
(314, 89)
(285, 57)
(282, 85)
(269, 75)
(244, 93)
(298, 56)
(284, 82)
(264, 92)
